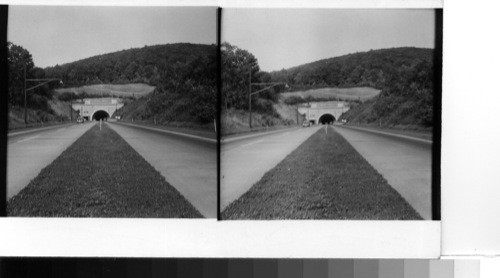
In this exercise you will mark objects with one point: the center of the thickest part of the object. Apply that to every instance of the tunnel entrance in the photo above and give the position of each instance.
(100, 115)
(326, 119)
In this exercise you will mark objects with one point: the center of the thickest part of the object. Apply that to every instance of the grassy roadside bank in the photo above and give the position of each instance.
(324, 178)
(100, 175)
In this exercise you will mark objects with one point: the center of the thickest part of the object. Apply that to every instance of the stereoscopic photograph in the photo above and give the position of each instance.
(329, 114)
(112, 112)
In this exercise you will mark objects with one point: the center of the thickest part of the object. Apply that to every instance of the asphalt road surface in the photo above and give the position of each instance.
(188, 162)
(405, 162)
(28, 152)
(245, 159)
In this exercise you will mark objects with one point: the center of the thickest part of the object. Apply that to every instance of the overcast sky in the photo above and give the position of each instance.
(282, 38)
(57, 35)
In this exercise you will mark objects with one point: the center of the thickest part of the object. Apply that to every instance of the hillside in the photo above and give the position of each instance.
(179, 79)
(39, 117)
(152, 65)
(404, 77)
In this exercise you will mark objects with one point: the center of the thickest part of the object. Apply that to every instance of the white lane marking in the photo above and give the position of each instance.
(252, 143)
(37, 130)
(27, 139)
(171, 132)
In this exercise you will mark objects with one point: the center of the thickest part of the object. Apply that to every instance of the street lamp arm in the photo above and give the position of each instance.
(41, 84)
(266, 88)
(268, 83)
(261, 90)
(44, 79)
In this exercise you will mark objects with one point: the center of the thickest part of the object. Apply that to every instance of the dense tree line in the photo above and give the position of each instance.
(20, 62)
(184, 76)
(239, 68)
(405, 76)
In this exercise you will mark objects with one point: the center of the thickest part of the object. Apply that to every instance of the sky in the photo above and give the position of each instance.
(282, 38)
(57, 34)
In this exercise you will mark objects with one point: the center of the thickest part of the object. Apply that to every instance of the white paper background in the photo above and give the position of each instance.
(471, 130)
(470, 180)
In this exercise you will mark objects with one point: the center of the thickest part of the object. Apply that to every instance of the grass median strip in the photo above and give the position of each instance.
(100, 175)
(324, 178)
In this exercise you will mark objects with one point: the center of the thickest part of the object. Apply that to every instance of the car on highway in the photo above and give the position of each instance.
(79, 120)
(306, 124)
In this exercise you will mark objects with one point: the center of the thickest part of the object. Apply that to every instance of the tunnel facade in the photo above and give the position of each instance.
(323, 112)
(95, 109)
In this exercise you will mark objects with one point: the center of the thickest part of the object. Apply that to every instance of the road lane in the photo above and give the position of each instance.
(245, 159)
(405, 163)
(187, 163)
(29, 152)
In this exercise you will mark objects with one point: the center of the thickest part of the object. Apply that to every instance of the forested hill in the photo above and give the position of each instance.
(184, 75)
(405, 76)
(150, 64)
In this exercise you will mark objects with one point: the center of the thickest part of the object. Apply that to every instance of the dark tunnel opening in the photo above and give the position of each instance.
(100, 115)
(326, 119)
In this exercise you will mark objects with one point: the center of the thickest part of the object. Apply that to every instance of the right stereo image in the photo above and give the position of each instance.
(330, 114)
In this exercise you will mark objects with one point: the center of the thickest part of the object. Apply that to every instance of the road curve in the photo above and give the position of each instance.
(28, 152)
(189, 163)
(405, 162)
(245, 159)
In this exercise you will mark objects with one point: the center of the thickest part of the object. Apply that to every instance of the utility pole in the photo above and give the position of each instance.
(250, 93)
(24, 90)
(250, 96)
(297, 114)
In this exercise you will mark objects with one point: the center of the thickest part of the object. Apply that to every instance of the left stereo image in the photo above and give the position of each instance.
(112, 112)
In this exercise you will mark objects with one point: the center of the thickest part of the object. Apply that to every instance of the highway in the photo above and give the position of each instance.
(404, 161)
(29, 151)
(246, 158)
(188, 162)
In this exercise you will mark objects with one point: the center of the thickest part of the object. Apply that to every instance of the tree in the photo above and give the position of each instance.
(19, 59)
(237, 64)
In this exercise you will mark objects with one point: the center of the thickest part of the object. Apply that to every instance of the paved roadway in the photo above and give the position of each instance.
(29, 151)
(404, 161)
(245, 159)
(188, 162)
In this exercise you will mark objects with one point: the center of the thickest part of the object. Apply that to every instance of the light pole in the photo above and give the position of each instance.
(43, 80)
(250, 93)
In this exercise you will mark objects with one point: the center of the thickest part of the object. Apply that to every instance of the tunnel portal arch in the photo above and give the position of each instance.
(326, 118)
(100, 115)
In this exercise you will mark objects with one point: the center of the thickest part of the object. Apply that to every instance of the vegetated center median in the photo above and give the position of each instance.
(100, 175)
(324, 178)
